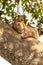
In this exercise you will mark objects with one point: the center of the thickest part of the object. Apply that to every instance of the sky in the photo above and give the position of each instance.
(3, 61)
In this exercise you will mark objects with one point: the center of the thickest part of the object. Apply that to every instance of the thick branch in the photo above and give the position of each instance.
(19, 51)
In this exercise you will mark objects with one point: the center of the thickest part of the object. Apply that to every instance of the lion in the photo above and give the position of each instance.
(26, 31)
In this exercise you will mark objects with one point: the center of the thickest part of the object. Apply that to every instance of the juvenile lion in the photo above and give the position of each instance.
(25, 30)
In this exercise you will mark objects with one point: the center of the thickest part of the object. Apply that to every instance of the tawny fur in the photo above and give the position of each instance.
(26, 31)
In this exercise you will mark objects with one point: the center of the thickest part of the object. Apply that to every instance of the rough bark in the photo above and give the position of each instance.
(19, 51)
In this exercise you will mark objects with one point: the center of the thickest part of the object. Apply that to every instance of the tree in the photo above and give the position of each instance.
(34, 7)
(19, 51)
(13, 48)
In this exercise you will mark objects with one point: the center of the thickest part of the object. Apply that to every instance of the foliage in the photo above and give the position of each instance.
(6, 9)
(31, 6)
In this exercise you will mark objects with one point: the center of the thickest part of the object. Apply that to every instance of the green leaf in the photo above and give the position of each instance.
(1, 12)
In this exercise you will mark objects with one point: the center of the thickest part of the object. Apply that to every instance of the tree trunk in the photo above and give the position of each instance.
(19, 51)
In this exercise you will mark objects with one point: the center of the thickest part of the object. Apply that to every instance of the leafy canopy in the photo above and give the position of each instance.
(35, 7)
